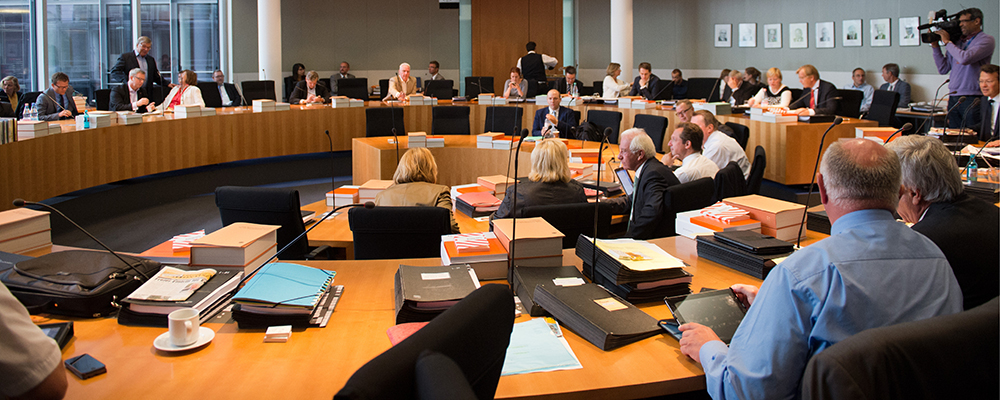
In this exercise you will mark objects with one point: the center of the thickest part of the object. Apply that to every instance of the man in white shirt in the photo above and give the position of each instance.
(719, 147)
(401, 86)
(533, 65)
(858, 78)
(132, 95)
(685, 145)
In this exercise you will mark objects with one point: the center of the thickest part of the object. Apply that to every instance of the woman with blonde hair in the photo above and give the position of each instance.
(549, 181)
(185, 94)
(415, 184)
(614, 87)
(775, 94)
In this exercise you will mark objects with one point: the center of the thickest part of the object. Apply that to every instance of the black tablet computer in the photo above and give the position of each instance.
(718, 309)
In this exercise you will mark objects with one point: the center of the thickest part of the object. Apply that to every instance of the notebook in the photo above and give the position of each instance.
(285, 285)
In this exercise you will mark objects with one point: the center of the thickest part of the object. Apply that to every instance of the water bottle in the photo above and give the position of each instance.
(86, 120)
(972, 170)
(34, 113)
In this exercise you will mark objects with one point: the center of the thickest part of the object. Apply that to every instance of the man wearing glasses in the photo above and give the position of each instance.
(962, 61)
(57, 102)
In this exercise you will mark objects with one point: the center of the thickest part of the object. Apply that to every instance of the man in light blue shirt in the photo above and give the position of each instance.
(858, 78)
(872, 271)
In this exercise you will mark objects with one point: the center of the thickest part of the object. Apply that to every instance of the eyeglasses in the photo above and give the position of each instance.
(62, 86)
(965, 20)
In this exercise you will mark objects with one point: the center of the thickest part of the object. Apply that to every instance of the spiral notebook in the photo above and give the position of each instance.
(285, 285)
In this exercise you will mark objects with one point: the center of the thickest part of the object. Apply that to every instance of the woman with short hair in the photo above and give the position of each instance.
(549, 182)
(185, 94)
(775, 94)
(415, 184)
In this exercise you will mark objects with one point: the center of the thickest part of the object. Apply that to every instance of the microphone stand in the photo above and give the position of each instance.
(662, 89)
(819, 154)
(333, 168)
(947, 113)
(936, 101)
(597, 202)
(513, 209)
(975, 103)
(905, 127)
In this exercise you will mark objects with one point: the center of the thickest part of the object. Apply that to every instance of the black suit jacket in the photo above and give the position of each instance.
(967, 232)
(648, 220)
(301, 92)
(563, 88)
(47, 108)
(14, 112)
(825, 105)
(120, 99)
(649, 91)
(745, 92)
(128, 61)
(539, 194)
(988, 126)
(234, 95)
(567, 121)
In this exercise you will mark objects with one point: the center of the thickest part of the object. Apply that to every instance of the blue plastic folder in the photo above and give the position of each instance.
(533, 348)
(285, 285)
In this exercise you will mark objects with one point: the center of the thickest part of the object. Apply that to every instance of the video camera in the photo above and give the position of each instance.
(942, 21)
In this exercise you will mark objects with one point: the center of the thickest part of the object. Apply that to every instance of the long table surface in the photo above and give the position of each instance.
(316, 362)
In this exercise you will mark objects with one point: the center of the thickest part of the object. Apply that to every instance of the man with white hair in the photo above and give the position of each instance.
(141, 59)
(872, 271)
(401, 85)
(645, 206)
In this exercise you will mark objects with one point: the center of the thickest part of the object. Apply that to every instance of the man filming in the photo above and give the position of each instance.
(962, 61)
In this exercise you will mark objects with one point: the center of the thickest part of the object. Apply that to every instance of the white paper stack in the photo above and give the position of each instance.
(416, 100)
(55, 129)
(434, 141)
(280, 106)
(81, 102)
(113, 116)
(32, 129)
(207, 112)
(340, 102)
(643, 104)
(485, 140)
(187, 111)
(129, 118)
(262, 105)
(624, 103)
(486, 98)
(278, 334)
(357, 103)
(773, 118)
(499, 101)
(416, 139)
(720, 108)
(344, 195)
(565, 101)
(542, 99)
(433, 101)
(96, 120)
(372, 188)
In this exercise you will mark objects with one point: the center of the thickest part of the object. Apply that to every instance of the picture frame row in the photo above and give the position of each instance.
(880, 34)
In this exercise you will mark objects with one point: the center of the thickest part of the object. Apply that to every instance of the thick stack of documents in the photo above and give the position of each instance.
(459, 190)
(207, 112)
(372, 188)
(434, 141)
(481, 251)
(778, 218)
(287, 294)
(720, 108)
(416, 139)
(775, 115)
(505, 142)
(96, 120)
(279, 106)
(357, 103)
(817, 220)
(342, 196)
(187, 111)
(585, 156)
(23, 230)
(477, 204)
(340, 102)
(567, 101)
(636, 270)
(32, 129)
(423, 293)
(172, 289)
(129, 118)
(485, 140)
(262, 105)
(496, 184)
(537, 243)
(417, 100)
(756, 264)
(526, 278)
(581, 171)
(602, 318)
(238, 246)
(719, 217)
(81, 102)
(878, 134)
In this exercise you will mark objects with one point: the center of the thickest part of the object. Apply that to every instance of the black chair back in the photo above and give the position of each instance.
(474, 333)
(450, 120)
(257, 90)
(662, 92)
(356, 88)
(850, 103)
(740, 132)
(379, 121)
(574, 219)
(506, 119)
(210, 94)
(474, 85)
(688, 196)
(398, 232)
(729, 182)
(883, 108)
(440, 89)
(383, 85)
(588, 90)
(325, 82)
(103, 99)
(267, 206)
(30, 97)
(703, 88)
(757, 170)
(655, 126)
(606, 119)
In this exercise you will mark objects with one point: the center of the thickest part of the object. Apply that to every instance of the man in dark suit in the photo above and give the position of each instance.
(132, 95)
(680, 87)
(890, 73)
(343, 74)
(989, 84)
(533, 65)
(57, 102)
(644, 207)
(964, 227)
(141, 59)
(569, 84)
(740, 91)
(554, 116)
(309, 91)
(646, 84)
(227, 91)
(818, 96)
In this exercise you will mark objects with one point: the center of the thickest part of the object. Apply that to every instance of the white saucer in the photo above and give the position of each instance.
(163, 343)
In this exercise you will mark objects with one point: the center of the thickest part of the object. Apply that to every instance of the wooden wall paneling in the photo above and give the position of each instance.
(499, 33)
(545, 28)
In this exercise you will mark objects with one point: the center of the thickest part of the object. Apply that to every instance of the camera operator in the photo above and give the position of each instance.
(962, 61)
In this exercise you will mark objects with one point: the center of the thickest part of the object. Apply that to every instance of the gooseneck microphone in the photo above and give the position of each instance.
(819, 153)
(907, 126)
(948, 113)
(597, 199)
(513, 209)
(22, 203)
(937, 100)
(333, 167)
(975, 103)
(662, 89)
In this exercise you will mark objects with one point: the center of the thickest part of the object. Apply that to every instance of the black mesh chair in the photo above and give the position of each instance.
(102, 98)
(440, 90)
(574, 219)
(740, 132)
(268, 206)
(254, 90)
(210, 94)
(503, 119)
(663, 90)
(356, 88)
(757, 171)
(688, 196)
(398, 232)
(883, 108)
(850, 103)
(379, 121)
(473, 335)
(450, 120)
(729, 182)
(607, 119)
(383, 85)
(31, 97)
(703, 88)
(325, 82)
(797, 99)
(474, 85)
(655, 126)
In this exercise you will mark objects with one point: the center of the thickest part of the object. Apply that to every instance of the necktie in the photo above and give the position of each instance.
(812, 100)
(62, 100)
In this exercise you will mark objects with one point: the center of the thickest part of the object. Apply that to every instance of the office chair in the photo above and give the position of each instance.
(729, 182)
(450, 120)
(503, 119)
(30, 97)
(850, 103)
(883, 108)
(474, 85)
(607, 119)
(383, 85)
(269, 207)
(757, 171)
(440, 90)
(660, 92)
(325, 82)
(573, 219)
(356, 88)
(796, 95)
(910, 360)
(599, 88)
(740, 132)
(255, 90)
(473, 335)
(398, 232)
(688, 196)
(103, 99)
(210, 94)
(703, 88)
(655, 126)
(379, 121)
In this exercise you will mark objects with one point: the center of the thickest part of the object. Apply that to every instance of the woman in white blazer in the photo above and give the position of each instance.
(614, 87)
(185, 94)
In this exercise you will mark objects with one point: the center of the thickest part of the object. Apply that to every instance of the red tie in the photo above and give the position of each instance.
(812, 100)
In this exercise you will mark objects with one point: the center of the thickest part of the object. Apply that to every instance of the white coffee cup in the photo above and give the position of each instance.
(183, 326)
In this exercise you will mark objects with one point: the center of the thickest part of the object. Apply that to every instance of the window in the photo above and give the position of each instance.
(16, 45)
(155, 24)
(74, 45)
(118, 25)
(198, 27)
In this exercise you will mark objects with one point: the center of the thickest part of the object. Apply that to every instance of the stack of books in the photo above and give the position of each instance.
(477, 204)
(567, 101)
(129, 118)
(542, 99)
(481, 251)
(340, 102)
(775, 115)
(280, 106)
(111, 115)
(342, 196)
(263, 105)
(416, 139)
(187, 111)
(459, 190)
(97, 120)
(720, 108)
(372, 188)
(581, 171)
(778, 218)
(8, 130)
(423, 293)
(23, 230)
(635, 270)
(485, 98)
(32, 129)
(435, 141)
(238, 246)
(357, 103)
(605, 320)
(287, 294)
(496, 184)
(172, 289)
(505, 142)
(207, 112)
(719, 217)
(415, 99)
(875, 133)
(537, 243)
(527, 278)
(585, 156)
(749, 252)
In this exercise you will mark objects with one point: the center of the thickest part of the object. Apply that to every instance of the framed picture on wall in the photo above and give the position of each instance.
(772, 36)
(880, 32)
(798, 35)
(824, 35)
(748, 35)
(852, 33)
(723, 34)
(909, 35)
